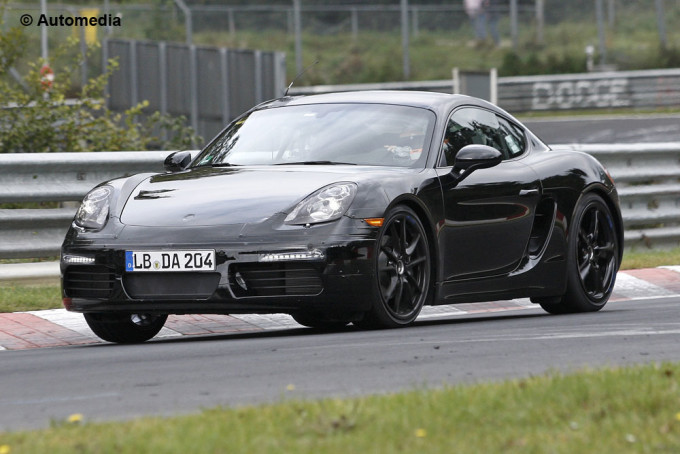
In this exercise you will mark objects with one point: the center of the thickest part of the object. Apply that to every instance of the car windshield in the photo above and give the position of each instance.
(360, 134)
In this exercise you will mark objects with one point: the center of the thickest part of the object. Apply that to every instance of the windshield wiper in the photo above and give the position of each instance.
(315, 163)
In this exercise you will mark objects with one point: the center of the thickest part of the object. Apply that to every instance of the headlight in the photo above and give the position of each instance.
(326, 204)
(94, 211)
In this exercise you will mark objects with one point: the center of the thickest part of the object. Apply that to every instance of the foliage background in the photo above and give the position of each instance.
(41, 115)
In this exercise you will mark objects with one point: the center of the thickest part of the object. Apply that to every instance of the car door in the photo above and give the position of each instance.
(489, 214)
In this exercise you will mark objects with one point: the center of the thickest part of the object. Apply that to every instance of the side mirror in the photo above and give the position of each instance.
(473, 157)
(179, 160)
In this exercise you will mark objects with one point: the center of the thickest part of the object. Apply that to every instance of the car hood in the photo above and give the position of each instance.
(220, 196)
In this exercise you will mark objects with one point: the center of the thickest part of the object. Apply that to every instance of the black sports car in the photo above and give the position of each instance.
(347, 208)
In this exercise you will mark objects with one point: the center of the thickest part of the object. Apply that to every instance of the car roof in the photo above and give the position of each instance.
(441, 103)
(424, 99)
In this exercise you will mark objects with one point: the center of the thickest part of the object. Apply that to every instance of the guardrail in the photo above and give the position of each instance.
(598, 90)
(647, 175)
(45, 178)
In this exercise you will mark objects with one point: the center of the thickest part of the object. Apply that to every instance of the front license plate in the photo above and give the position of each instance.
(170, 260)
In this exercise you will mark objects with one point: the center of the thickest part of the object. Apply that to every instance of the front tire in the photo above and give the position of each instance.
(403, 270)
(592, 260)
(125, 328)
(320, 322)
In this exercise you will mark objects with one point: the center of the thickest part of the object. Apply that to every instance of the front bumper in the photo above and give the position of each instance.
(325, 268)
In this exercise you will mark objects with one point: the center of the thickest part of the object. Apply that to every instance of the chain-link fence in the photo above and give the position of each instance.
(215, 23)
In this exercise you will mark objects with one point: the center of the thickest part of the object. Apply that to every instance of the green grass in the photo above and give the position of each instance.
(21, 297)
(650, 259)
(629, 410)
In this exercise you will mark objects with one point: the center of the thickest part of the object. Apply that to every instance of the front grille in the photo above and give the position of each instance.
(170, 286)
(275, 279)
(88, 281)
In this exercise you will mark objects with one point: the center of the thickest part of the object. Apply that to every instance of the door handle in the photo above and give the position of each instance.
(528, 192)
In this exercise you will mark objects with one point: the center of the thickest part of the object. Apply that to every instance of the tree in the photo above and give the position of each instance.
(36, 116)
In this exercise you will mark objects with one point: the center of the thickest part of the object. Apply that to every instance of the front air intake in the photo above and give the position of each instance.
(275, 279)
(88, 281)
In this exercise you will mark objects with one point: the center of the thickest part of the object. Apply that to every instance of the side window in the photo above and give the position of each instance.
(513, 138)
(471, 125)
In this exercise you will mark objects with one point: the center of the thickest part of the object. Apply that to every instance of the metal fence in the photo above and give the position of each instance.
(647, 175)
(208, 85)
(606, 90)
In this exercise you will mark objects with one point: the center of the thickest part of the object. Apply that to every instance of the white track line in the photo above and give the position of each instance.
(633, 287)
(626, 286)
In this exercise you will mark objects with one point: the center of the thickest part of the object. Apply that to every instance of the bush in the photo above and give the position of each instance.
(36, 115)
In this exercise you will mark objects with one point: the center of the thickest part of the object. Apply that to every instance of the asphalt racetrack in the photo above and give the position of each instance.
(176, 375)
(607, 129)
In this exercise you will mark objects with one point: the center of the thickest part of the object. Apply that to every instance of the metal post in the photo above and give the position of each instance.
(514, 28)
(43, 33)
(83, 54)
(540, 20)
(279, 74)
(661, 23)
(493, 86)
(414, 21)
(224, 82)
(193, 76)
(259, 80)
(232, 23)
(355, 23)
(105, 68)
(297, 19)
(455, 75)
(599, 12)
(134, 91)
(187, 20)
(163, 76)
(405, 39)
(163, 82)
(107, 11)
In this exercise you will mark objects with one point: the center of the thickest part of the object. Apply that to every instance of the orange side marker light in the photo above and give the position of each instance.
(375, 222)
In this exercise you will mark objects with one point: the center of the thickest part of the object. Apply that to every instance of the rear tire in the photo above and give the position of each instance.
(403, 270)
(592, 260)
(125, 328)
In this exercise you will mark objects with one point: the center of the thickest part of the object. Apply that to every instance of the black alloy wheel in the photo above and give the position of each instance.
(125, 328)
(403, 271)
(593, 259)
(597, 253)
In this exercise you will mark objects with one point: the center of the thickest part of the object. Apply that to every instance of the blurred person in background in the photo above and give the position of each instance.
(483, 13)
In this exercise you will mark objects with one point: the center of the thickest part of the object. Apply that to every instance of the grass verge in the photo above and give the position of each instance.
(18, 297)
(634, 409)
(650, 259)
(22, 297)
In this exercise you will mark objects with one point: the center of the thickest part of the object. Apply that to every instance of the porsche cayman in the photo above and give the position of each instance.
(347, 208)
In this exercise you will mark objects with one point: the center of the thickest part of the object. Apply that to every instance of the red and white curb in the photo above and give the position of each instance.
(53, 328)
